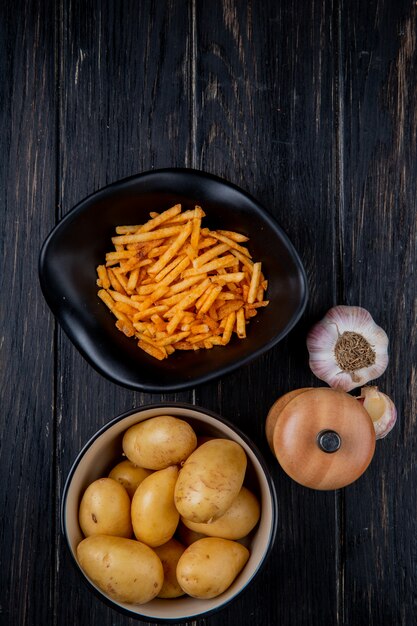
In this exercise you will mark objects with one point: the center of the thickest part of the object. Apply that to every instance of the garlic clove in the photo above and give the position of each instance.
(347, 348)
(348, 317)
(380, 408)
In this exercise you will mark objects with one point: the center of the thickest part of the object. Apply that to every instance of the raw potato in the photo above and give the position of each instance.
(159, 442)
(237, 522)
(186, 535)
(170, 553)
(129, 475)
(105, 509)
(154, 516)
(124, 569)
(210, 480)
(209, 566)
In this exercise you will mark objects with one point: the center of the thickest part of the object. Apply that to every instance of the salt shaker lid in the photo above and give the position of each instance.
(323, 438)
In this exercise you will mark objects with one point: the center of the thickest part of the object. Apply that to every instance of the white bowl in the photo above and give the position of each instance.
(101, 453)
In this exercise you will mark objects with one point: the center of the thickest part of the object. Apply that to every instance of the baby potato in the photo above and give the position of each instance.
(186, 535)
(154, 516)
(170, 553)
(124, 569)
(129, 475)
(159, 442)
(237, 522)
(210, 480)
(209, 566)
(105, 509)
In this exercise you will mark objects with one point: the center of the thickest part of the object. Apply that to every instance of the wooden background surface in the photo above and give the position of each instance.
(311, 106)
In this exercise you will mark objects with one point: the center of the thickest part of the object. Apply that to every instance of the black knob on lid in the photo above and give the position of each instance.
(329, 441)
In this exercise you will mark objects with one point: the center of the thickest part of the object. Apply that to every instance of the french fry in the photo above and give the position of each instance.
(121, 278)
(210, 254)
(260, 294)
(168, 268)
(241, 323)
(206, 242)
(123, 307)
(117, 256)
(257, 305)
(160, 325)
(169, 302)
(211, 323)
(156, 252)
(155, 295)
(229, 307)
(189, 299)
(173, 339)
(161, 233)
(125, 327)
(213, 312)
(143, 249)
(133, 279)
(233, 236)
(184, 345)
(106, 298)
(175, 285)
(147, 313)
(156, 352)
(103, 276)
(174, 273)
(120, 297)
(228, 327)
(243, 259)
(232, 244)
(254, 283)
(198, 329)
(213, 295)
(174, 322)
(188, 215)
(215, 341)
(195, 234)
(199, 303)
(184, 284)
(172, 250)
(225, 261)
(114, 282)
(156, 220)
(234, 277)
(225, 295)
(197, 338)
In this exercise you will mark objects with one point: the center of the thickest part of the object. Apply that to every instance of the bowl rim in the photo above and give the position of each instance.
(259, 458)
(217, 373)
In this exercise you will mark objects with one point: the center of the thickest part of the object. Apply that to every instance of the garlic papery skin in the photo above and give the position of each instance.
(347, 349)
(381, 409)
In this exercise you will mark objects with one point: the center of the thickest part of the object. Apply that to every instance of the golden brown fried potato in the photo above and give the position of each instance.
(168, 277)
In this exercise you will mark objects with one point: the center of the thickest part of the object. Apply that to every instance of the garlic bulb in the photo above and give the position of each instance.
(381, 409)
(347, 348)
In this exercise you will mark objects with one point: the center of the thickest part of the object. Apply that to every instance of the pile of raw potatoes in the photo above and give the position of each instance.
(171, 519)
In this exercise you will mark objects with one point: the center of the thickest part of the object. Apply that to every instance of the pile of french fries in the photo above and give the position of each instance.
(174, 285)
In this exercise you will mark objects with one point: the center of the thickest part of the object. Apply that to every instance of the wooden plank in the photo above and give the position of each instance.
(379, 252)
(264, 76)
(124, 80)
(27, 435)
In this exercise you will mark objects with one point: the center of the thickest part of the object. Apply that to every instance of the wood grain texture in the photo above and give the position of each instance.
(27, 505)
(310, 107)
(264, 120)
(379, 242)
(125, 85)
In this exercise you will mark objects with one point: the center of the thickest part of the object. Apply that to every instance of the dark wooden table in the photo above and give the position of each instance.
(312, 108)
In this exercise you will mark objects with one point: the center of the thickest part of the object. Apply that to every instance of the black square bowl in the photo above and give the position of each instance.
(72, 251)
